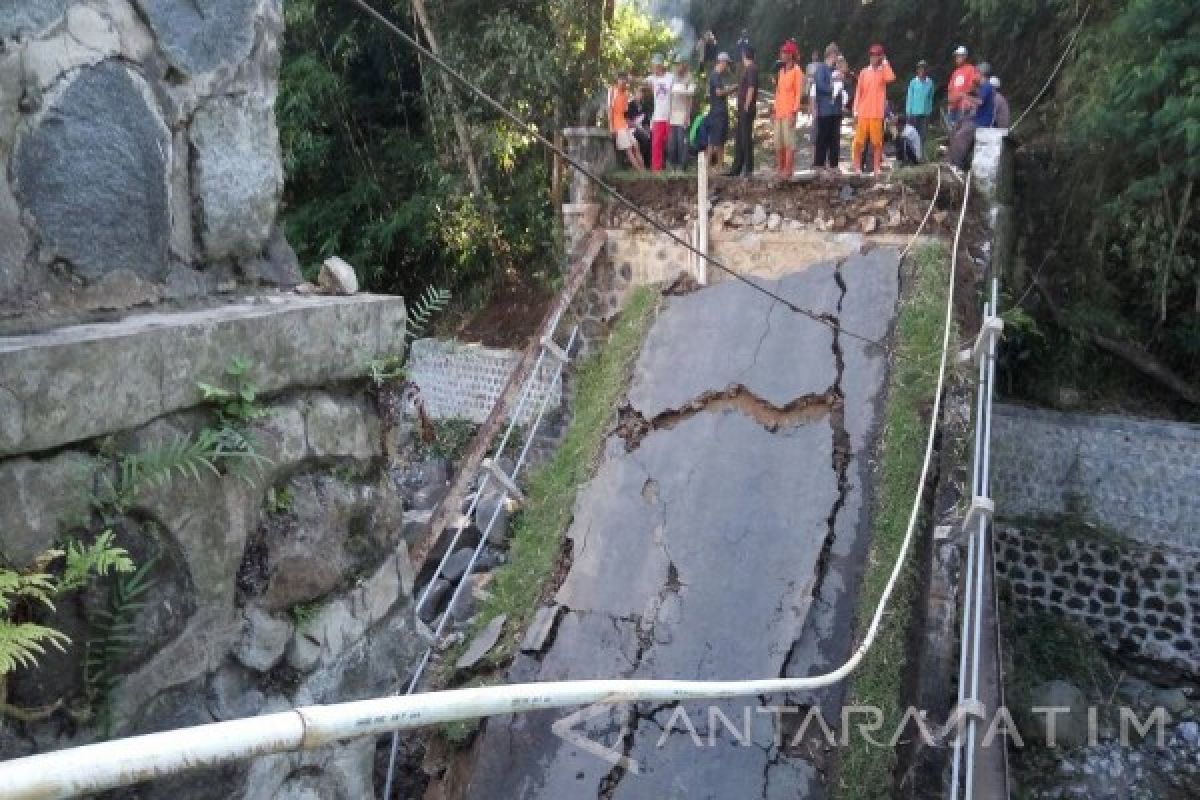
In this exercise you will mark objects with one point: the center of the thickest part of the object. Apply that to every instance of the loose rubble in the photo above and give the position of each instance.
(1140, 770)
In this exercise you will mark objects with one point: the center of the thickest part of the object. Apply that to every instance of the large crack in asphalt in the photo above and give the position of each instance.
(633, 427)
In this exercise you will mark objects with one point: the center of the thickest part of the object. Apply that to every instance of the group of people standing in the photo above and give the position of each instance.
(827, 88)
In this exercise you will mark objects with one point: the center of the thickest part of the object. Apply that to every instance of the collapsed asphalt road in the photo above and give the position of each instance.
(721, 538)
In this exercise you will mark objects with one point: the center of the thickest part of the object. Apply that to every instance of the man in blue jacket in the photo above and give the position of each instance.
(919, 105)
(828, 110)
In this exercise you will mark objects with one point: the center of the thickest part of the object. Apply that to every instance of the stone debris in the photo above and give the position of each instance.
(540, 629)
(456, 565)
(482, 644)
(429, 612)
(338, 277)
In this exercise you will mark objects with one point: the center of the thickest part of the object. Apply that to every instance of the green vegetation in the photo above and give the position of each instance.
(28, 596)
(451, 438)
(865, 771)
(1048, 647)
(279, 501)
(115, 634)
(376, 169)
(54, 574)
(538, 530)
(303, 613)
(1117, 249)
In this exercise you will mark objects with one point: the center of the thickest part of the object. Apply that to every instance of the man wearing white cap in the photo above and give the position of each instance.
(1002, 116)
(962, 80)
(660, 84)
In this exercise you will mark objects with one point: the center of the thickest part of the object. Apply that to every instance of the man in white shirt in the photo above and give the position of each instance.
(908, 146)
(660, 84)
(682, 92)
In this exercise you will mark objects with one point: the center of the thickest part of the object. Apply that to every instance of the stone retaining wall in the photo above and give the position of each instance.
(464, 381)
(1136, 476)
(139, 156)
(284, 583)
(1136, 599)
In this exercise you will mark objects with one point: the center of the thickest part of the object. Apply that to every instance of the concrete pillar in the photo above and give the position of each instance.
(592, 147)
(992, 170)
(578, 221)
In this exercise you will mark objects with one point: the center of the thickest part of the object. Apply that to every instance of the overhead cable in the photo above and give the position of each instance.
(659, 226)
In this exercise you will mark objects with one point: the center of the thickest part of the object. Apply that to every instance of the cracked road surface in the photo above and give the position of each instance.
(723, 542)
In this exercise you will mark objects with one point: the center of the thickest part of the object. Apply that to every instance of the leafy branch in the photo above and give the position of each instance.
(23, 642)
(433, 301)
(115, 635)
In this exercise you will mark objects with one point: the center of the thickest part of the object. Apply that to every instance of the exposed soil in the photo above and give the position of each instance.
(844, 200)
(511, 316)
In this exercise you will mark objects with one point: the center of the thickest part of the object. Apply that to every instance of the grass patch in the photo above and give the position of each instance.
(451, 438)
(866, 772)
(1047, 647)
(539, 529)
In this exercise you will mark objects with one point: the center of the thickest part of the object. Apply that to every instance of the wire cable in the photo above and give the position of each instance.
(1054, 74)
(532, 131)
(121, 762)
(937, 190)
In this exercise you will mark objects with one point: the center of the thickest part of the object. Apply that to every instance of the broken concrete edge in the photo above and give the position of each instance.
(83, 381)
(482, 643)
(935, 626)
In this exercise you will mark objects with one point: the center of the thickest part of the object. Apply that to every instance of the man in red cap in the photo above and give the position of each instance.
(788, 87)
(870, 102)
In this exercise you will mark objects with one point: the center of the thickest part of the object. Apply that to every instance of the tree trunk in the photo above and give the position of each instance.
(466, 152)
(1135, 356)
(1180, 221)
(593, 40)
(610, 12)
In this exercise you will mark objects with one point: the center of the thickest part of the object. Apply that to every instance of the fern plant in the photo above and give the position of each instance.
(390, 369)
(100, 558)
(237, 406)
(115, 634)
(23, 642)
(432, 302)
(133, 473)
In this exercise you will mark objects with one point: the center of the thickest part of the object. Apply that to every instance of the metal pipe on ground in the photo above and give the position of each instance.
(580, 266)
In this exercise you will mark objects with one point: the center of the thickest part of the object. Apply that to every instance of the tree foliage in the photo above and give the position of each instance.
(1139, 114)
(1122, 126)
(374, 170)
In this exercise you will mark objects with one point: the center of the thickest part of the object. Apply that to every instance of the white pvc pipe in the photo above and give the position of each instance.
(984, 525)
(975, 583)
(702, 218)
(964, 651)
(99, 767)
(526, 392)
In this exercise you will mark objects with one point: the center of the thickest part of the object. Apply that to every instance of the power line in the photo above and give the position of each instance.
(1054, 74)
(120, 762)
(607, 187)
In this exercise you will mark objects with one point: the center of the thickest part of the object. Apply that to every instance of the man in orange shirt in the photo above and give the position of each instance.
(962, 80)
(788, 86)
(618, 123)
(870, 102)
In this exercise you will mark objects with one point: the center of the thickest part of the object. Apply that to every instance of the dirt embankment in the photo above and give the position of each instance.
(843, 204)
